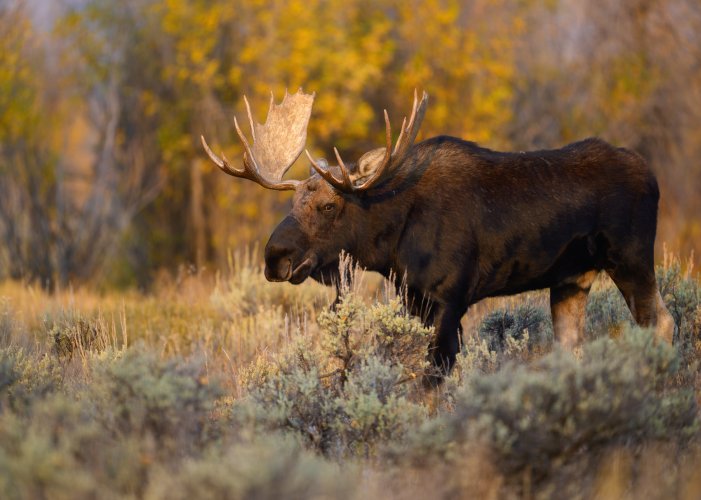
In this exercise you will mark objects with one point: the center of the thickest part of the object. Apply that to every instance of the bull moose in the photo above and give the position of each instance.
(458, 222)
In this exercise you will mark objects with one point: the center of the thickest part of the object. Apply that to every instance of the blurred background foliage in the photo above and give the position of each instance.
(103, 179)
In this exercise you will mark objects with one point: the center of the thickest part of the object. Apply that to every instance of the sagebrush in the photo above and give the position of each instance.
(241, 392)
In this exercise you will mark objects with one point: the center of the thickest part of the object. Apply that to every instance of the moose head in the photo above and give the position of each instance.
(329, 212)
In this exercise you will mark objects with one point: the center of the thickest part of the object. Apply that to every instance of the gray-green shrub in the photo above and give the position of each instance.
(682, 295)
(40, 452)
(349, 394)
(268, 468)
(137, 392)
(511, 323)
(606, 314)
(25, 378)
(531, 415)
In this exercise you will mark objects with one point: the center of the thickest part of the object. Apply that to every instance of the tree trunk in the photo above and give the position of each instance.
(197, 214)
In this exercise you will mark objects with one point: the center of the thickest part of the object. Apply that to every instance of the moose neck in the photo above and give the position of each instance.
(380, 218)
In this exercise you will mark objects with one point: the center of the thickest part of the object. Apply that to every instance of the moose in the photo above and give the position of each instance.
(455, 222)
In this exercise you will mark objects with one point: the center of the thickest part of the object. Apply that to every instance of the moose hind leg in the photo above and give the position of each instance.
(567, 305)
(664, 329)
(645, 302)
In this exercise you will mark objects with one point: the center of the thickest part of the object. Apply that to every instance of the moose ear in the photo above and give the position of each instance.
(321, 162)
(369, 163)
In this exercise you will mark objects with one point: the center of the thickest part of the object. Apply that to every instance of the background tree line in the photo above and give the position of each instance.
(102, 176)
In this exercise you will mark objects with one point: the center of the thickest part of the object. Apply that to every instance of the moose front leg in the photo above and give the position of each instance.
(446, 343)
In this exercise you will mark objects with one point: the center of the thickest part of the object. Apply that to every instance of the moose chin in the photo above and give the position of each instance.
(453, 222)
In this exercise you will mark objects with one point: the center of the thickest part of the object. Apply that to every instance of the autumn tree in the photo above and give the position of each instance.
(102, 171)
(27, 161)
(61, 215)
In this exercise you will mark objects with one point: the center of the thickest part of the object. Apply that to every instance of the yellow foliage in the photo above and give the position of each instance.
(19, 94)
(183, 66)
(466, 63)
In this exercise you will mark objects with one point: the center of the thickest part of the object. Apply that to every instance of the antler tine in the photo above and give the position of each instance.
(222, 163)
(402, 132)
(406, 127)
(250, 170)
(341, 185)
(413, 110)
(385, 161)
(250, 118)
(328, 176)
(409, 133)
(347, 183)
(388, 140)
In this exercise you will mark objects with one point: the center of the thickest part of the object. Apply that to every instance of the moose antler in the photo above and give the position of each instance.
(276, 144)
(406, 138)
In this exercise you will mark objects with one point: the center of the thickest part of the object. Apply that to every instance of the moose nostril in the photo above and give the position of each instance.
(285, 268)
(278, 269)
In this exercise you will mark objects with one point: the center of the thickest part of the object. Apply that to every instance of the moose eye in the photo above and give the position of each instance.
(329, 207)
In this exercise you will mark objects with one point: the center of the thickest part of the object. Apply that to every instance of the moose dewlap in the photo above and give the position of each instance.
(457, 222)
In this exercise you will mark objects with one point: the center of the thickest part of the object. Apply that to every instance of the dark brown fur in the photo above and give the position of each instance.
(461, 223)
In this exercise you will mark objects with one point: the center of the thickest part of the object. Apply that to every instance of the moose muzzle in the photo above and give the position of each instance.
(286, 256)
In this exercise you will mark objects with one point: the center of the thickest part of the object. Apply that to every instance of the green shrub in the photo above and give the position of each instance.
(349, 394)
(500, 327)
(99, 435)
(25, 378)
(295, 399)
(40, 453)
(373, 409)
(60, 450)
(682, 295)
(531, 415)
(352, 331)
(137, 392)
(504, 335)
(337, 419)
(398, 338)
(606, 314)
(133, 423)
(269, 468)
(475, 358)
